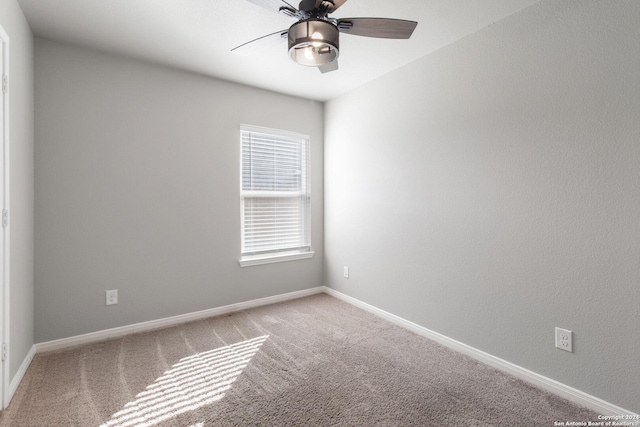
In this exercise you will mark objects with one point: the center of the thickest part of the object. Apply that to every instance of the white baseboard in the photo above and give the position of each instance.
(17, 378)
(598, 405)
(581, 398)
(170, 321)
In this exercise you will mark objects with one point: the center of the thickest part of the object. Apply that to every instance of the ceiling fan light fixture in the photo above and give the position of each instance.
(313, 42)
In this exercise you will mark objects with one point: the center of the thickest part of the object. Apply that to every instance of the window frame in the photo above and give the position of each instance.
(276, 255)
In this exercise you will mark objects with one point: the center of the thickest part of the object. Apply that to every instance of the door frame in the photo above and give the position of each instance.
(4, 198)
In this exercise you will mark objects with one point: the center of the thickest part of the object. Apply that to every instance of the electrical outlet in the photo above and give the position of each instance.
(564, 340)
(345, 272)
(112, 297)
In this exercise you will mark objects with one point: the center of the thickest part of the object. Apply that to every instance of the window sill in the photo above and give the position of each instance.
(259, 260)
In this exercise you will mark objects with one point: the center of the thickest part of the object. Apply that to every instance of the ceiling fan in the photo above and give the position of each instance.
(314, 38)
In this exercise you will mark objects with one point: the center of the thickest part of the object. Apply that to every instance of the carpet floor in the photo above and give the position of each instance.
(314, 361)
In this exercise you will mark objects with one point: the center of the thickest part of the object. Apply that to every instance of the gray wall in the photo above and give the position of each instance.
(21, 181)
(489, 192)
(137, 189)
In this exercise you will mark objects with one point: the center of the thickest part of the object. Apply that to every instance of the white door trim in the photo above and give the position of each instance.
(4, 280)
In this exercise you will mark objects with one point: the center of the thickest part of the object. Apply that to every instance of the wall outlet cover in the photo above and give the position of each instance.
(564, 339)
(112, 297)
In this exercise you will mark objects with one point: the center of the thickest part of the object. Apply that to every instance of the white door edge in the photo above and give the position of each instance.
(4, 241)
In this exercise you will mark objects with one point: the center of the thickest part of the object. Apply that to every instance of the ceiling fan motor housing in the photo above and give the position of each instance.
(314, 42)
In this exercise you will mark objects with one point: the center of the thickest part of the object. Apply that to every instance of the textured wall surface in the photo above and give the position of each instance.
(137, 189)
(489, 192)
(21, 182)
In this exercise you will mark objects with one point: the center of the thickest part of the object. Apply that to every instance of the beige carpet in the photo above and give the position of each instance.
(315, 361)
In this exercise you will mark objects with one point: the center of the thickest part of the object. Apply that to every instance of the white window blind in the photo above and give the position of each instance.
(275, 193)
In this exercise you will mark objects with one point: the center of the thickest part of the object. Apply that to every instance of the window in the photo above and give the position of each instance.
(275, 196)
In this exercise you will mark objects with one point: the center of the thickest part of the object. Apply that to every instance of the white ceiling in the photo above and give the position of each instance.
(198, 35)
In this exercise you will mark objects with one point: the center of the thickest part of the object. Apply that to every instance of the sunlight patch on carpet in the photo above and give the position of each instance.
(193, 382)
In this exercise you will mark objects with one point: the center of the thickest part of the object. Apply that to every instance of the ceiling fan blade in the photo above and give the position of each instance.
(274, 5)
(259, 43)
(383, 28)
(331, 66)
